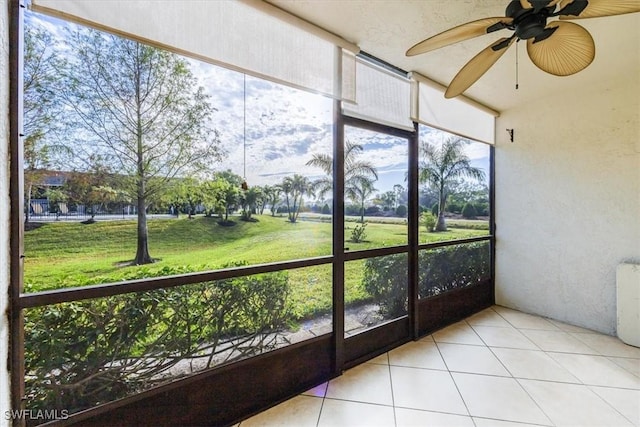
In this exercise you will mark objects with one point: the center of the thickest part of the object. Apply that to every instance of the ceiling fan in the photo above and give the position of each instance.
(559, 48)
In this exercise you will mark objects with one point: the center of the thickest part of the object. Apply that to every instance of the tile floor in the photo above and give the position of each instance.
(497, 368)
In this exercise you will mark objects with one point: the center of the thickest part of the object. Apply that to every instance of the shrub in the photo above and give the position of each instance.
(440, 270)
(469, 211)
(84, 353)
(326, 209)
(352, 210)
(372, 210)
(454, 207)
(482, 209)
(359, 233)
(435, 208)
(401, 211)
(429, 221)
(452, 267)
(385, 279)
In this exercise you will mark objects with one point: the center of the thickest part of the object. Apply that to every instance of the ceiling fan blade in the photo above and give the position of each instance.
(568, 49)
(538, 4)
(460, 33)
(479, 65)
(578, 9)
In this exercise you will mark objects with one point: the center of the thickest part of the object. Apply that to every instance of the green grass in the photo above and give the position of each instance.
(63, 254)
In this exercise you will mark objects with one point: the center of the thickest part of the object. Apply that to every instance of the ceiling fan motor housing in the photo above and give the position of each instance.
(527, 23)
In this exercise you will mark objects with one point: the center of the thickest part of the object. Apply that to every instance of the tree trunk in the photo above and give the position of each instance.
(441, 225)
(27, 211)
(142, 252)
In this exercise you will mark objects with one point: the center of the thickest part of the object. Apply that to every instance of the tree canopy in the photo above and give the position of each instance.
(142, 110)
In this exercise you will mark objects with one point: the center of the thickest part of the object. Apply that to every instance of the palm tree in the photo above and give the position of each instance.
(442, 166)
(359, 175)
(388, 199)
(294, 188)
(249, 199)
(359, 192)
(272, 196)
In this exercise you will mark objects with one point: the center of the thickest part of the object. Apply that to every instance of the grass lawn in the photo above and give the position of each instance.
(63, 254)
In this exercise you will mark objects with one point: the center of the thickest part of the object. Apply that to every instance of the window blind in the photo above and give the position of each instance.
(459, 115)
(249, 36)
(382, 96)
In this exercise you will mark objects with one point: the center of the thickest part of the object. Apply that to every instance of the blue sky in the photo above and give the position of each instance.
(284, 127)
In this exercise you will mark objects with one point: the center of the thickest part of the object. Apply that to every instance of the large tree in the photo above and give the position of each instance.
(441, 167)
(141, 108)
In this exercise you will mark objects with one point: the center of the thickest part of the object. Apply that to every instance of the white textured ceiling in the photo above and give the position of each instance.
(387, 28)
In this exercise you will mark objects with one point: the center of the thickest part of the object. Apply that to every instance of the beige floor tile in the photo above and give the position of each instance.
(317, 391)
(472, 359)
(625, 401)
(582, 379)
(369, 383)
(573, 405)
(596, 370)
(428, 338)
(486, 422)
(532, 364)
(340, 413)
(426, 389)
(499, 398)
(299, 411)
(458, 333)
(525, 321)
(631, 365)
(571, 328)
(488, 317)
(504, 337)
(608, 346)
(558, 341)
(383, 359)
(415, 418)
(417, 354)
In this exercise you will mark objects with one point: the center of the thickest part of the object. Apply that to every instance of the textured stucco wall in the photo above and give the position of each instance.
(4, 209)
(568, 202)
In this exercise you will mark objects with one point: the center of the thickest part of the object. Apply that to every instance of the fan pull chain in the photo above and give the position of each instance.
(517, 84)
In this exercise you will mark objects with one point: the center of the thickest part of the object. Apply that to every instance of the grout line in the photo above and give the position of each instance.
(455, 384)
(622, 367)
(514, 422)
(393, 397)
(321, 407)
(609, 404)
(359, 401)
(535, 401)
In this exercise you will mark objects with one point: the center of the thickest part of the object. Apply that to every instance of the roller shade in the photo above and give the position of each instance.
(459, 115)
(382, 96)
(249, 36)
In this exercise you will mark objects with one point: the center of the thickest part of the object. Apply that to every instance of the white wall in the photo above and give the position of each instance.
(4, 209)
(568, 202)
